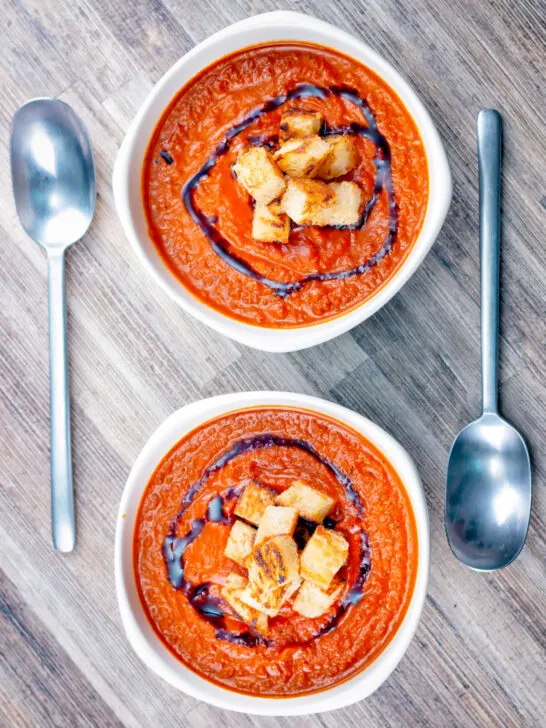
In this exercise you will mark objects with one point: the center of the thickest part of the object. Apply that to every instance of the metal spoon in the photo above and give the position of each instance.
(53, 176)
(488, 492)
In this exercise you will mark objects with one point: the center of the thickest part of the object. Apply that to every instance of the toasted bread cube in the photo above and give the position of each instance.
(235, 581)
(312, 601)
(240, 542)
(305, 200)
(253, 502)
(260, 624)
(232, 592)
(312, 202)
(277, 520)
(267, 601)
(345, 209)
(270, 224)
(309, 502)
(302, 157)
(259, 175)
(290, 589)
(300, 123)
(274, 562)
(232, 597)
(323, 556)
(343, 157)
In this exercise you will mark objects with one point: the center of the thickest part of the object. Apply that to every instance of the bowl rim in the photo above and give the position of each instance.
(137, 628)
(271, 27)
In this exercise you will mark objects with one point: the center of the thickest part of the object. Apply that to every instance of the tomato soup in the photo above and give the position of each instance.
(184, 522)
(200, 220)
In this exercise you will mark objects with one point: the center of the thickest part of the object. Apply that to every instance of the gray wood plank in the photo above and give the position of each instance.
(41, 687)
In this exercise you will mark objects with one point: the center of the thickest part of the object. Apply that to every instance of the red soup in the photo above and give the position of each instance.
(201, 219)
(332, 532)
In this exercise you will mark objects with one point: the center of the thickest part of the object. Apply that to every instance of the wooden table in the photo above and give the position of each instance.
(478, 656)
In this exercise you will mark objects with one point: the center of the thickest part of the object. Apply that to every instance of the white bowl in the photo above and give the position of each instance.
(274, 26)
(139, 631)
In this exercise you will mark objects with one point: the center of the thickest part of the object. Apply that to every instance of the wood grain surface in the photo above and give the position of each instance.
(478, 658)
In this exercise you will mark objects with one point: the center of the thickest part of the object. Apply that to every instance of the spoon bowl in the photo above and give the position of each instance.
(53, 177)
(52, 173)
(489, 481)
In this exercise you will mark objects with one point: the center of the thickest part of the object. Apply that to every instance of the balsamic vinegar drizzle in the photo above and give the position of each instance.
(383, 179)
(174, 548)
(166, 156)
(261, 442)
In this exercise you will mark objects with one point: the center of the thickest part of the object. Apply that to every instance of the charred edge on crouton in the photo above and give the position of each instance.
(270, 224)
(302, 157)
(342, 159)
(346, 209)
(274, 562)
(313, 202)
(256, 619)
(300, 123)
(258, 173)
(304, 200)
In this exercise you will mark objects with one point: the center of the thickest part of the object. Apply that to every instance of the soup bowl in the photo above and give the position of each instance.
(271, 27)
(142, 636)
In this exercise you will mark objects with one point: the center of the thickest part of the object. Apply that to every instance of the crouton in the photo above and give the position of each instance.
(266, 601)
(302, 157)
(312, 601)
(231, 592)
(313, 202)
(269, 601)
(345, 209)
(290, 589)
(253, 502)
(274, 562)
(305, 199)
(277, 520)
(259, 175)
(270, 224)
(323, 556)
(240, 542)
(300, 123)
(235, 581)
(343, 157)
(309, 502)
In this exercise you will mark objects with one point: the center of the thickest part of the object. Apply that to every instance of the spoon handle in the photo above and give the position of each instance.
(489, 161)
(62, 492)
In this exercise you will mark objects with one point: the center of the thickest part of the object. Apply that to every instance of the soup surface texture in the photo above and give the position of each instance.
(183, 525)
(200, 219)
